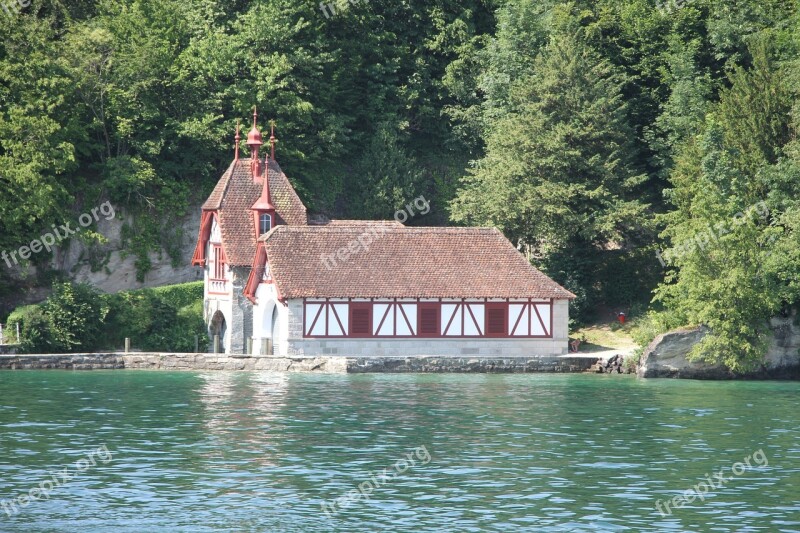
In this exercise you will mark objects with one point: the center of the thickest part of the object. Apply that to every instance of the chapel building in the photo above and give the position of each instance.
(272, 287)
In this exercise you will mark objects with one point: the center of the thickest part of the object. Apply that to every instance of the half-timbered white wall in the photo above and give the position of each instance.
(327, 319)
(529, 319)
(457, 318)
(321, 329)
(393, 319)
(462, 319)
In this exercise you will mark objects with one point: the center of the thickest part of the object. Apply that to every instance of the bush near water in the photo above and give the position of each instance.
(78, 318)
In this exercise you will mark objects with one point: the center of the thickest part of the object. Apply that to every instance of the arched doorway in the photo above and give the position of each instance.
(267, 319)
(218, 326)
(275, 330)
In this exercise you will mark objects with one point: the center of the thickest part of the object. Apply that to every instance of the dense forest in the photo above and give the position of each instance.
(643, 154)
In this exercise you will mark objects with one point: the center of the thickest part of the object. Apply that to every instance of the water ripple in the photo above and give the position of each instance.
(263, 452)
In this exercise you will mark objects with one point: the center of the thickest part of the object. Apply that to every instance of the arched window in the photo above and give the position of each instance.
(264, 223)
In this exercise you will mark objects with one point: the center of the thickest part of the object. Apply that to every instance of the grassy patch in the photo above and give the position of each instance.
(605, 336)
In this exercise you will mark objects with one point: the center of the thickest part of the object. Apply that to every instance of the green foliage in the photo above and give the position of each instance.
(75, 314)
(559, 175)
(733, 232)
(160, 319)
(78, 318)
(182, 295)
(33, 328)
(647, 327)
(70, 320)
(384, 179)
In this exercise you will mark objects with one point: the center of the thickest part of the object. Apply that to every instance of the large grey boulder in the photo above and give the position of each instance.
(665, 357)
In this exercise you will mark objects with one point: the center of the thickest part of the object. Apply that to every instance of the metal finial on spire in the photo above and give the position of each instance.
(236, 140)
(254, 137)
(272, 139)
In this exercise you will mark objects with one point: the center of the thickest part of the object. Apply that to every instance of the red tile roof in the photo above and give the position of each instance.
(401, 262)
(234, 195)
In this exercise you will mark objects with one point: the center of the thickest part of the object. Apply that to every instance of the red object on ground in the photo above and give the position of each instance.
(621, 318)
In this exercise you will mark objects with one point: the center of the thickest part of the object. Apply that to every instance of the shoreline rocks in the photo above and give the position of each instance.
(612, 365)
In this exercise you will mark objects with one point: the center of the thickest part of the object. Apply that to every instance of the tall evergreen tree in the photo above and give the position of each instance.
(734, 211)
(559, 176)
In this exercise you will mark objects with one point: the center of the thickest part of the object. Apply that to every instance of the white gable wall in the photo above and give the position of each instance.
(217, 297)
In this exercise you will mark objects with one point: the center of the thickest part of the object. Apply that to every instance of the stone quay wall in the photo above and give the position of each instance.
(324, 364)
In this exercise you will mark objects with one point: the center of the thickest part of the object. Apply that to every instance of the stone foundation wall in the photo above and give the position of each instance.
(325, 364)
(182, 361)
(440, 347)
(490, 365)
(62, 362)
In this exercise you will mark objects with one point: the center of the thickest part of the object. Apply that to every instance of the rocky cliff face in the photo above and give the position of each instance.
(119, 269)
(665, 357)
(116, 270)
(785, 343)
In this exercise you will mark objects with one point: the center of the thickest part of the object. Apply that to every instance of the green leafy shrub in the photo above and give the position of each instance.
(649, 326)
(76, 313)
(158, 319)
(34, 328)
(179, 296)
(79, 318)
(70, 320)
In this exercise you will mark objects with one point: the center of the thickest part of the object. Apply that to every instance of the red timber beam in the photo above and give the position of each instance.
(206, 221)
(256, 273)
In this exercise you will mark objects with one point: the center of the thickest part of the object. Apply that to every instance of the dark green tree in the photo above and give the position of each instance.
(733, 232)
(559, 176)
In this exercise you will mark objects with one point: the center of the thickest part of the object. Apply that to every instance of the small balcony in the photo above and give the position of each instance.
(217, 286)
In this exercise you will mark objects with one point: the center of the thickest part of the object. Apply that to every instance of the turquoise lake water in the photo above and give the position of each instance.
(263, 452)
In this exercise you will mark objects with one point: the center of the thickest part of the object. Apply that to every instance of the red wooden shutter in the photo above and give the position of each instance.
(496, 320)
(360, 320)
(428, 325)
(219, 262)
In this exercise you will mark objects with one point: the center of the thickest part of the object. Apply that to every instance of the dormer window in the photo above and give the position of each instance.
(264, 223)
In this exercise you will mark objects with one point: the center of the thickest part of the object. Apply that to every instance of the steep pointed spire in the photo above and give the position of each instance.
(264, 202)
(263, 210)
